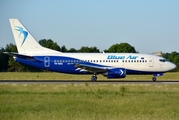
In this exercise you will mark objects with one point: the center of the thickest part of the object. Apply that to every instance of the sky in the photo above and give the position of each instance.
(148, 25)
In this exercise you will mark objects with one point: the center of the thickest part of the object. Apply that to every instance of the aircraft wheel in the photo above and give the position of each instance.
(154, 79)
(93, 78)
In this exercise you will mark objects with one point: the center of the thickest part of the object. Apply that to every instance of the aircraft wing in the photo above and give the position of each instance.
(22, 56)
(91, 68)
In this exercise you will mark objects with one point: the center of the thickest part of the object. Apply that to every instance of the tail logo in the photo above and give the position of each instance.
(25, 33)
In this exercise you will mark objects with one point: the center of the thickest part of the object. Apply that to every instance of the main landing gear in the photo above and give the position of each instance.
(94, 78)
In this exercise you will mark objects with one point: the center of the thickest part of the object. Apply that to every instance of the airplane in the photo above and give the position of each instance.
(110, 65)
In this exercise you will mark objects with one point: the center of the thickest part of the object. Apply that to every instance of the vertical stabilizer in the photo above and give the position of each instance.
(25, 41)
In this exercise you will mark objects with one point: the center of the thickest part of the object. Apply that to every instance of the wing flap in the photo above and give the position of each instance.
(91, 68)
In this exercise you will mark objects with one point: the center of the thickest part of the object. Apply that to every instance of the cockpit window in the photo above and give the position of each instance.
(163, 60)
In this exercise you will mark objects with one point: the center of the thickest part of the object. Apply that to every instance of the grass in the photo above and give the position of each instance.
(60, 76)
(89, 101)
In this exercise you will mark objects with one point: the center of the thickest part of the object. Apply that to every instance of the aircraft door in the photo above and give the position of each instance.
(47, 61)
(151, 62)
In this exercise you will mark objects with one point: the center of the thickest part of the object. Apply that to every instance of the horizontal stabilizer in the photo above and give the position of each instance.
(22, 56)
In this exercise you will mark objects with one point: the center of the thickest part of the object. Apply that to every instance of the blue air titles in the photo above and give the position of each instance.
(121, 57)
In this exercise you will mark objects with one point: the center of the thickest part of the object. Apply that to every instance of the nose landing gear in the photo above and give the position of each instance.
(156, 75)
(154, 79)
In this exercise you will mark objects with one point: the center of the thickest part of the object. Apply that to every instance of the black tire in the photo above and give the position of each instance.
(93, 78)
(154, 79)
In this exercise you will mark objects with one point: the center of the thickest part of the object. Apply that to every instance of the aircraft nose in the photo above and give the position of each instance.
(172, 66)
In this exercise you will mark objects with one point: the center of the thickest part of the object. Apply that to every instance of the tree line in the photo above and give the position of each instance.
(8, 64)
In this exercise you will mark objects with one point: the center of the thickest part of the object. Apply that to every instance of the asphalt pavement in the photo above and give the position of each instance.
(86, 81)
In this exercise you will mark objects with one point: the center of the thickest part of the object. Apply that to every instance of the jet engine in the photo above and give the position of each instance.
(115, 73)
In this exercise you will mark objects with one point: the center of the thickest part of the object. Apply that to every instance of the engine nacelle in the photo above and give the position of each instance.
(115, 73)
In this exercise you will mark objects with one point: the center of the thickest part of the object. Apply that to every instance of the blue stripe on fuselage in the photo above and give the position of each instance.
(65, 65)
(59, 64)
